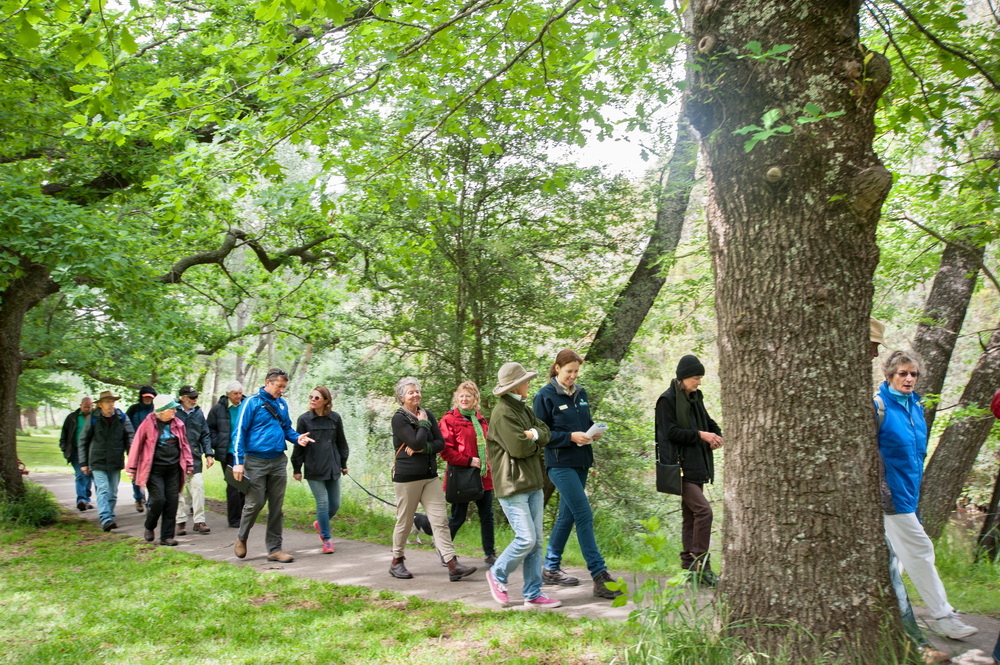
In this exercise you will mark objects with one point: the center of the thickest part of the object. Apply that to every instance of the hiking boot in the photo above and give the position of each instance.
(952, 627)
(240, 548)
(181, 529)
(558, 576)
(457, 571)
(81, 506)
(107, 526)
(497, 589)
(398, 570)
(148, 535)
(490, 559)
(602, 591)
(280, 557)
(139, 506)
(328, 547)
(543, 602)
(202, 528)
(169, 542)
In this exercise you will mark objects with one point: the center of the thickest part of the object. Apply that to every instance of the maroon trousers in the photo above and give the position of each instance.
(696, 529)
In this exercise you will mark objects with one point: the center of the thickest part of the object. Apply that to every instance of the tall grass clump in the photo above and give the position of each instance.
(36, 508)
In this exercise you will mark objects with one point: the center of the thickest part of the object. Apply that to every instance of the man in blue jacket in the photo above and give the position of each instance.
(262, 428)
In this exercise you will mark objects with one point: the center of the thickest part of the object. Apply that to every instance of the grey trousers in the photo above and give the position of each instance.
(267, 483)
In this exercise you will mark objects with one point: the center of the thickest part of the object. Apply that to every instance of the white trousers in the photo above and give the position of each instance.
(194, 488)
(915, 554)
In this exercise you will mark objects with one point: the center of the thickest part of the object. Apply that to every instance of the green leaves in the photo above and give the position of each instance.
(773, 53)
(763, 132)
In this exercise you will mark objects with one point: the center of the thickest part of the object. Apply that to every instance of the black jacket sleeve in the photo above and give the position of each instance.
(341, 440)
(299, 452)
(667, 430)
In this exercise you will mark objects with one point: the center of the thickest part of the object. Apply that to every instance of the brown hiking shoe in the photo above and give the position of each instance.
(600, 588)
(398, 570)
(280, 557)
(181, 529)
(457, 571)
(558, 576)
(201, 527)
(240, 548)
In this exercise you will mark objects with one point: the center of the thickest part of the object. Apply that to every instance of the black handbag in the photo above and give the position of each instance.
(463, 484)
(668, 476)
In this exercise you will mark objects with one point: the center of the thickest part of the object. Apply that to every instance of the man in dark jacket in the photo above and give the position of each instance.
(687, 435)
(102, 454)
(221, 424)
(136, 414)
(73, 430)
(201, 444)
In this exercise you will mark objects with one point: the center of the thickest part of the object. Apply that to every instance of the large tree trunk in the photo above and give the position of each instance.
(960, 443)
(15, 301)
(625, 317)
(944, 313)
(988, 544)
(792, 231)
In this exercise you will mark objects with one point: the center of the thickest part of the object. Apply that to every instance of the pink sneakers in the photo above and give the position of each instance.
(543, 602)
(497, 590)
(328, 547)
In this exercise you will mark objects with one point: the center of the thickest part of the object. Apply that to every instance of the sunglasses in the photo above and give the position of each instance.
(903, 375)
(312, 397)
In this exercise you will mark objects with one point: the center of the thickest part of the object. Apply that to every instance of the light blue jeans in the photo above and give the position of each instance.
(574, 508)
(106, 484)
(524, 513)
(83, 482)
(327, 495)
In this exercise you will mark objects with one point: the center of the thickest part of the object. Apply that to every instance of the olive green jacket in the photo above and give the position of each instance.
(516, 461)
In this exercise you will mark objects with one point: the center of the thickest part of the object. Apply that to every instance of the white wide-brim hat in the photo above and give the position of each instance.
(510, 376)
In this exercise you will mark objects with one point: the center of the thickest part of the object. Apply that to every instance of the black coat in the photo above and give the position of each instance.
(219, 427)
(327, 454)
(197, 434)
(427, 441)
(67, 437)
(674, 442)
(105, 445)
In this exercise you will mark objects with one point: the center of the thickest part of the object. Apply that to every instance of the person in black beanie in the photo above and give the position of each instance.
(687, 435)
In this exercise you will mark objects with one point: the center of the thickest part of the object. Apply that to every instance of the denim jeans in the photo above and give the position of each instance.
(106, 485)
(83, 482)
(574, 507)
(327, 495)
(137, 494)
(460, 511)
(524, 513)
(996, 650)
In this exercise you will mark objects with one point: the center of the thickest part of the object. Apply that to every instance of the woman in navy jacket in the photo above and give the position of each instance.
(562, 405)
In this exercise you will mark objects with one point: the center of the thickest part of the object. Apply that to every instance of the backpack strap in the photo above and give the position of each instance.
(879, 410)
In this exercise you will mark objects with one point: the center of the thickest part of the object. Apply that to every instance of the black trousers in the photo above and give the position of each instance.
(163, 487)
(460, 511)
(234, 498)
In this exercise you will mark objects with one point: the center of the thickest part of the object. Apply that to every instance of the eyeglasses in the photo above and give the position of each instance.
(903, 375)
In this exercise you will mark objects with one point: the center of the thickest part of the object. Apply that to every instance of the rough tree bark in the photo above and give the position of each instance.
(944, 313)
(959, 445)
(625, 317)
(792, 232)
(16, 300)
(988, 543)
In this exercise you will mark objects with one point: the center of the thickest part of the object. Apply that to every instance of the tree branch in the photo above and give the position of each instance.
(173, 276)
(960, 245)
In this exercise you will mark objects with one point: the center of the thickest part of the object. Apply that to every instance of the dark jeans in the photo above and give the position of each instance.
(83, 482)
(696, 528)
(267, 483)
(996, 650)
(235, 499)
(574, 509)
(164, 485)
(460, 511)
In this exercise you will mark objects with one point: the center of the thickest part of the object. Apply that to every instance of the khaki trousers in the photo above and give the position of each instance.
(429, 494)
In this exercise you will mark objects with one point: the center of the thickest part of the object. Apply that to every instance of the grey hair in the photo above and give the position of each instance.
(901, 357)
(234, 386)
(400, 388)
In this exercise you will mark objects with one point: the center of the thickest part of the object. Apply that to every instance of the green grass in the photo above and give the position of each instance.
(73, 594)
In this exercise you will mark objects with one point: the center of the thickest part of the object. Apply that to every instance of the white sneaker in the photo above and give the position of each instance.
(951, 626)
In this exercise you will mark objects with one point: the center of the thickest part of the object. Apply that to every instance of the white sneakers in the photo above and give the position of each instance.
(951, 626)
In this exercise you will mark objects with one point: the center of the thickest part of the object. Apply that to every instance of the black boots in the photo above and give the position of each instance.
(457, 571)
(701, 573)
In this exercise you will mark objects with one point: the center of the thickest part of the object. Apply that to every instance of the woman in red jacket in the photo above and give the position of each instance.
(464, 431)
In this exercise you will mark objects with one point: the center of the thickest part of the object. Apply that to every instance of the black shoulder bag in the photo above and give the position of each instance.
(463, 484)
(668, 469)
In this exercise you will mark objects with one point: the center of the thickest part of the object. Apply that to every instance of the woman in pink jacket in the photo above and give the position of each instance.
(464, 431)
(160, 460)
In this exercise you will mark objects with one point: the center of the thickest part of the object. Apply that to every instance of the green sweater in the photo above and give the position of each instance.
(516, 461)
